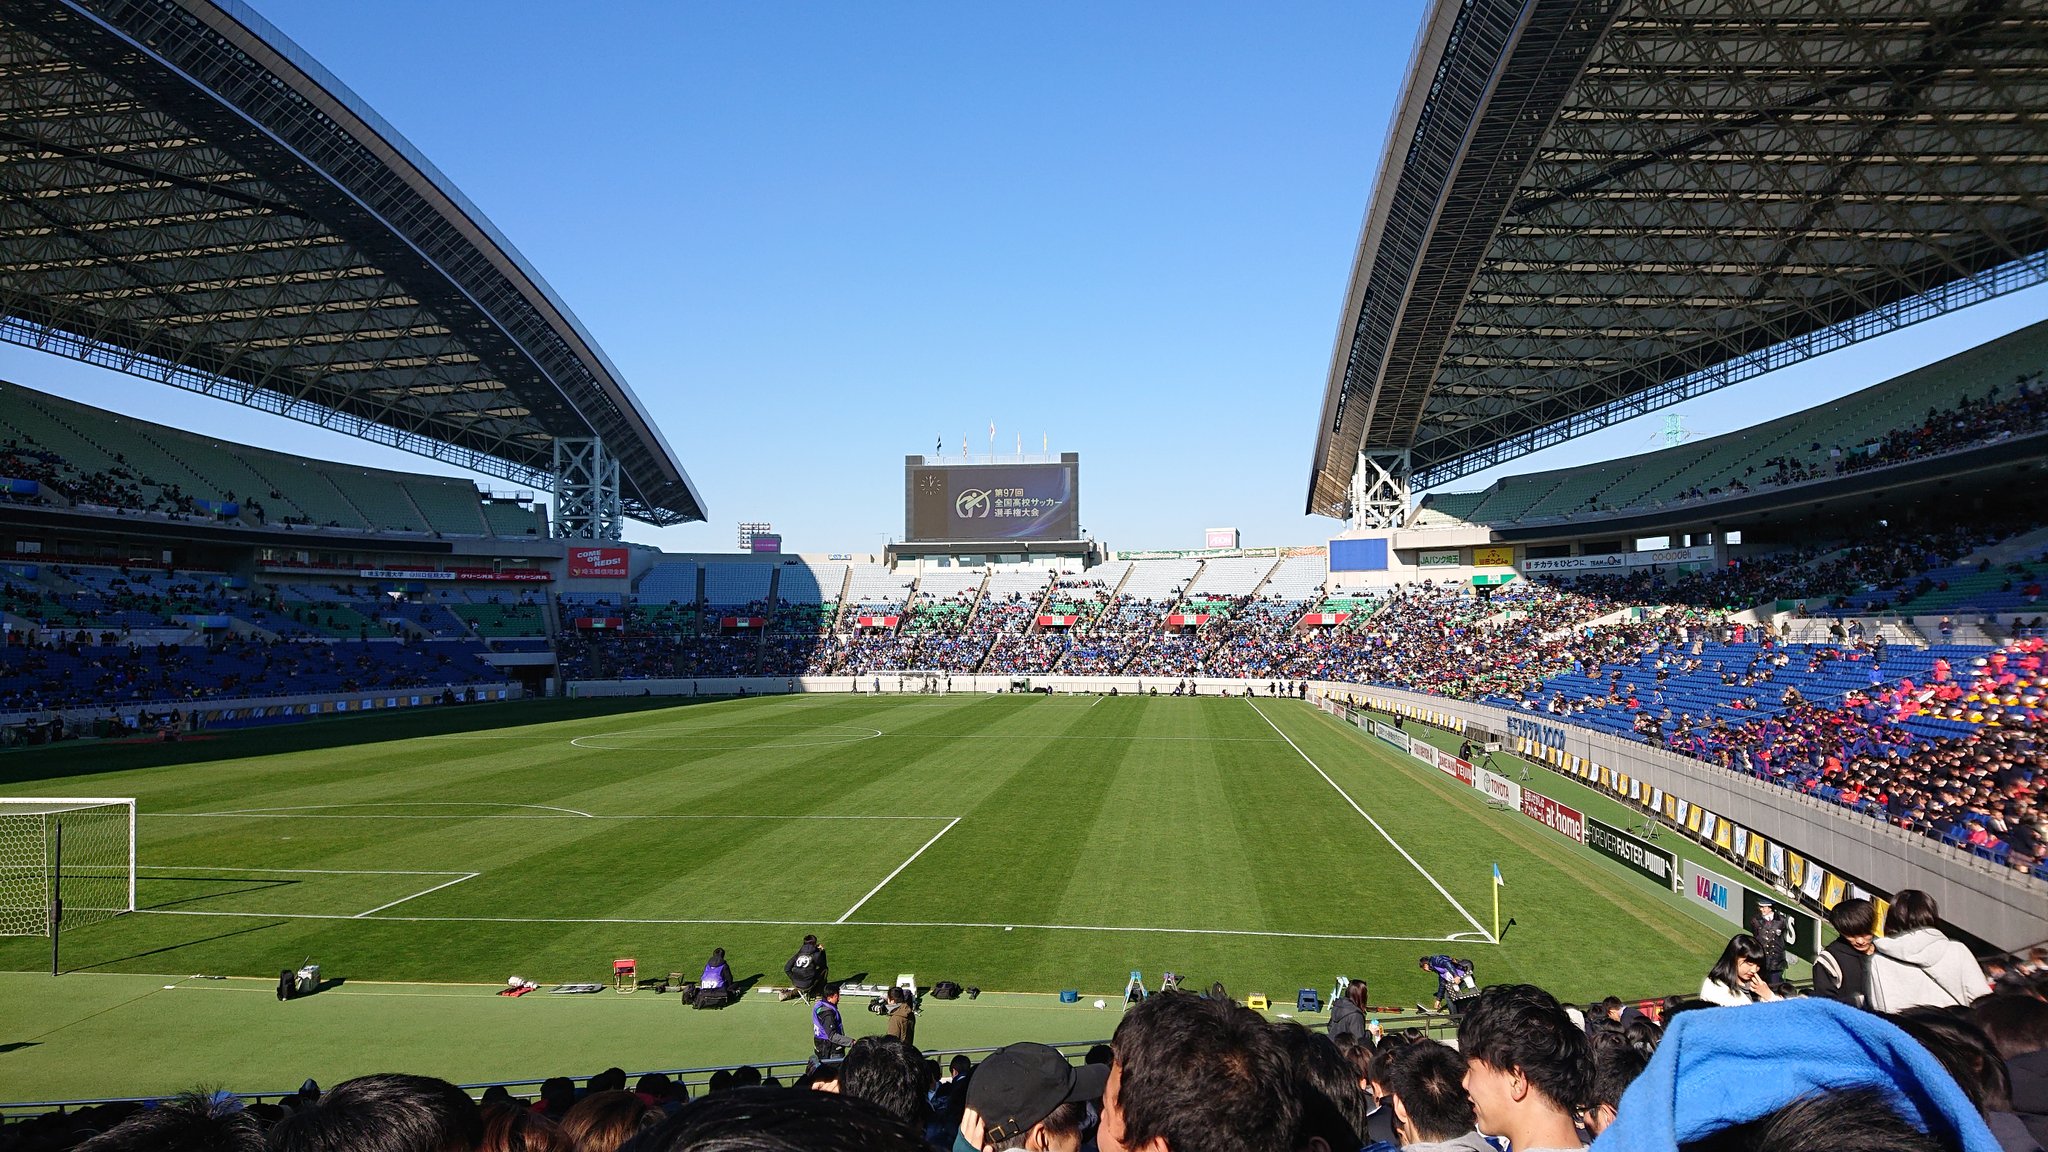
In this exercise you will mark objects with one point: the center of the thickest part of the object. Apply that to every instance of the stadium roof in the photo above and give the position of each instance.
(186, 195)
(1588, 209)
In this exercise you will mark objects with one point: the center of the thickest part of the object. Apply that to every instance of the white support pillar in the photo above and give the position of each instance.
(587, 503)
(1379, 490)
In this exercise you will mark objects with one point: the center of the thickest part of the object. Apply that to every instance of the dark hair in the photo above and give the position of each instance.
(1510, 1026)
(659, 1086)
(602, 1121)
(1097, 1054)
(1741, 946)
(718, 955)
(1964, 1050)
(192, 1122)
(1911, 910)
(2016, 1023)
(1611, 1004)
(778, 1120)
(1356, 993)
(746, 1076)
(1066, 1119)
(1854, 917)
(962, 1062)
(387, 1112)
(509, 1127)
(557, 1095)
(1429, 1080)
(1858, 1118)
(809, 938)
(612, 1079)
(888, 1072)
(721, 1081)
(1615, 1067)
(1204, 1075)
(1333, 1106)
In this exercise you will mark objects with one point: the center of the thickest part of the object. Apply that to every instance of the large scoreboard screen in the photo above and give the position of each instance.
(967, 503)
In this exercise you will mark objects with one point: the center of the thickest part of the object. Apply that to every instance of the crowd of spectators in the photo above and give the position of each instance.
(1905, 1045)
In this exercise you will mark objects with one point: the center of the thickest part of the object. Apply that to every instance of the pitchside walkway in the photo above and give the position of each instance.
(85, 1035)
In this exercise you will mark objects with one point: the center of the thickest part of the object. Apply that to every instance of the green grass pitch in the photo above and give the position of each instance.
(1014, 843)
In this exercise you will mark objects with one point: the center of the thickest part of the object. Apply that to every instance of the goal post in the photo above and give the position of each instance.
(65, 862)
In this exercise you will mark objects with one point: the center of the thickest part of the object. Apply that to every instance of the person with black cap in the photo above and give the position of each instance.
(1027, 1096)
(1772, 933)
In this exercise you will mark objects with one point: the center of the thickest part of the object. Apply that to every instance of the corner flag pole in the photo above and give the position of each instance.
(1498, 884)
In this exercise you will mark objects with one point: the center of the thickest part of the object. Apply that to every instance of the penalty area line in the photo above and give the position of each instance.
(1441, 890)
(899, 868)
(417, 895)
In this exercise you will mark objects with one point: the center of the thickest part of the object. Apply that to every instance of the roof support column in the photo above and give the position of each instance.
(1379, 490)
(587, 503)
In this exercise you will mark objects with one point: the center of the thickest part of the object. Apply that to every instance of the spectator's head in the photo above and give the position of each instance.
(1527, 1067)
(718, 955)
(746, 1076)
(389, 1112)
(960, 1064)
(2017, 1024)
(1615, 1067)
(657, 1087)
(193, 1122)
(1356, 992)
(887, 1073)
(1427, 1082)
(1911, 911)
(1855, 921)
(1740, 962)
(831, 993)
(721, 1081)
(1028, 1096)
(1858, 1118)
(810, 940)
(1334, 1108)
(775, 1120)
(602, 1121)
(508, 1127)
(1197, 1075)
(1965, 1051)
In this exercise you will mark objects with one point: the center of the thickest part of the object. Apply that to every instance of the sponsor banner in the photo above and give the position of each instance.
(1326, 619)
(1493, 557)
(16, 487)
(1190, 620)
(761, 621)
(1444, 559)
(1576, 563)
(601, 622)
(1713, 891)
(766, 542)
(403, 574)
(1497, 787)
(1452, 766)
(1703, 554)
(1389, 733)
(1548, 735)
(1568, 822)
(1639, 856)
(1057, 621)
(598, 563)
(1219, 538)
(505, 575)
(870, 621)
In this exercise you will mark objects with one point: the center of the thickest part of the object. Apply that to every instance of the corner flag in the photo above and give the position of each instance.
(1498, 884)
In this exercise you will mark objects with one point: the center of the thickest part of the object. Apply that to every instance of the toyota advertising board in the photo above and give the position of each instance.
(598, 563)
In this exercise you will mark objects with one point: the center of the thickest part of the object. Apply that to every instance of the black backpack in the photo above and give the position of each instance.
(946, 990)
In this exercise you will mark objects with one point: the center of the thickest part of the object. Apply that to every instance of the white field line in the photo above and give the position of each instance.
(272, 814)
(899, 868)
(1476, 925)
(813, 923)
(303, 871)
(384, 804)
(417, 895)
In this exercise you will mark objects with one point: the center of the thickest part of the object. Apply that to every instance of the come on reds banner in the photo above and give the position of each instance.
(598, 563)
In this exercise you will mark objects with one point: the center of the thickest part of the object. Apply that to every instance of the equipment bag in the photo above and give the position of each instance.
(946, 990)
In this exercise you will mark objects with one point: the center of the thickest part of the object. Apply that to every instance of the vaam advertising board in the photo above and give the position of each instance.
(973, 502)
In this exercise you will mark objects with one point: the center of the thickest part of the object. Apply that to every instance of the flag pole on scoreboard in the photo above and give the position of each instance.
(1498, 884)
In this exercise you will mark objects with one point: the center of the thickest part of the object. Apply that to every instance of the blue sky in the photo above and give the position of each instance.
(814, 237)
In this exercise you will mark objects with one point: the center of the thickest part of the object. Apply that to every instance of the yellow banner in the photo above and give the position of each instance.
(1756, 850)
(1832, 892)
(1493, 557)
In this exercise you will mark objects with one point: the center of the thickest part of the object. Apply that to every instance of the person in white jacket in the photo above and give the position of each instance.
(1916, 964)
(1737, 977)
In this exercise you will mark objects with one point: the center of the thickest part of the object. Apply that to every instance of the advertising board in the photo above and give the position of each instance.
(1444, 559)
(598, 563)
(1493, 557)
(1637, 855)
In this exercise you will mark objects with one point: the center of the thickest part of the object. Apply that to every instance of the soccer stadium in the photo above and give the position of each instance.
(1691, 796)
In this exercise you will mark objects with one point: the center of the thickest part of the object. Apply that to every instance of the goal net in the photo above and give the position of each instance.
(77, 851)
